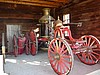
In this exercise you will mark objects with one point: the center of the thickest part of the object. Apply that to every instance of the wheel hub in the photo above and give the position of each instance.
(57, 56)
(89, 50)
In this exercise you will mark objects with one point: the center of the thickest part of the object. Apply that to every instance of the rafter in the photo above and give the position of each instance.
(13, 8)
(33, 2)
(63, 1)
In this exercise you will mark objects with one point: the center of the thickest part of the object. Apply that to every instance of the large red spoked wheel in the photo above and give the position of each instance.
(15, 46)
(34, 40)
(60, 56)
(91, 54)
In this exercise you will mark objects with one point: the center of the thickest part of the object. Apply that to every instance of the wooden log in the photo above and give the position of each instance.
(33, 3)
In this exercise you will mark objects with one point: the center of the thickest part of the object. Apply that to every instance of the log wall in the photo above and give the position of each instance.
(87, 12)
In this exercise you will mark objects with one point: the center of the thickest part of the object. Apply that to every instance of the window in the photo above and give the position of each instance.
(66, 18)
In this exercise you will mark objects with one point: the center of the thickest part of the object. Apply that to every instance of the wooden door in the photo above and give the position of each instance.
(11, 30)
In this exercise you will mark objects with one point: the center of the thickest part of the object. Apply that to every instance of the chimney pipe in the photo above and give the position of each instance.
(46, 17)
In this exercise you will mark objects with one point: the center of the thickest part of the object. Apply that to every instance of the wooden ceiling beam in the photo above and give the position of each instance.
(63, 1)
(19, 16)
(41, 2)
(6, 7)
(33, 3)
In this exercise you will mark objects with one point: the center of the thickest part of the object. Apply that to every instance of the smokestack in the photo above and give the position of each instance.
(46, 17)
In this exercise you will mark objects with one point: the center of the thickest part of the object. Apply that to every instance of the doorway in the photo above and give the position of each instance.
(11, 30)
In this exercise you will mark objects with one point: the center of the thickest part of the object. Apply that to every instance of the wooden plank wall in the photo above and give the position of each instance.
(26, 25)
(87, 12)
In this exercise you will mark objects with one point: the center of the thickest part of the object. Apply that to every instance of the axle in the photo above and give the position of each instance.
(84, 49)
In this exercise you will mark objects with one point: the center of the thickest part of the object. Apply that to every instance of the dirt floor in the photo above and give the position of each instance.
(39, 65)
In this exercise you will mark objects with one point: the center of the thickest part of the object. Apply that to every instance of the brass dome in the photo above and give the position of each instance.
(58, 22)
(46, 18)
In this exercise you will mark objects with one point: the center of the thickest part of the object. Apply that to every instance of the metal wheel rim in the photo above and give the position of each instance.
(91, 56)
(64, 64)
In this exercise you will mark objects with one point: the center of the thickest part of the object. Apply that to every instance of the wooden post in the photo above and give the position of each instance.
(3, 47)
